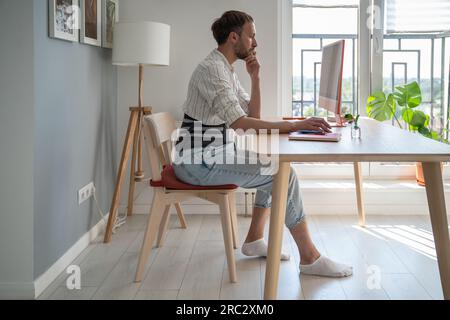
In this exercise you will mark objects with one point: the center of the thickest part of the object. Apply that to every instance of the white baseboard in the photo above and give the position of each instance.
(31, 290)
(328, 197)
(188, 208)
(311, 209)
(42, 282)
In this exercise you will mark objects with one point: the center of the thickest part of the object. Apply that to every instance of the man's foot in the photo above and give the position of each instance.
(325, 267)
(258, 248)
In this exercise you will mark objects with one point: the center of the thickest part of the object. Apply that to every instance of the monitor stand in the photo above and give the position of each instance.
(337, 121)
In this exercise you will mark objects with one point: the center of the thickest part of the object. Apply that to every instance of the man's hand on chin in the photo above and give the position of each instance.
(252, 65)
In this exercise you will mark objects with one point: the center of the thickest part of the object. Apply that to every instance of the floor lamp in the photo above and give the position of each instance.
(136, 44)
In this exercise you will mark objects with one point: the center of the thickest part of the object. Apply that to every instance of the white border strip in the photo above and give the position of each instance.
(41, 283)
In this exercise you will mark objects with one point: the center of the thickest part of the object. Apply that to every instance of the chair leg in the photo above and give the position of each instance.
(234, 225)
(181, 216)
(154, 219)
(227, 235)
(163, 227)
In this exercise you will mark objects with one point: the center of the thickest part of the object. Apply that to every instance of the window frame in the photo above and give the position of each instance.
(379, 169)
(285, 58)
(370, 62)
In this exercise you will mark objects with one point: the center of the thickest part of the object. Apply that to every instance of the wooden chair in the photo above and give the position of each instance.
(168, 190)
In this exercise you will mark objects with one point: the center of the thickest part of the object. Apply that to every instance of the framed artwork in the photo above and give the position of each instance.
(64, 16)
(91, 22)
(110, 15)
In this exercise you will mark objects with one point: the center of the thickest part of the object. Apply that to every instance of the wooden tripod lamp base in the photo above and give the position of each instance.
(132, 142)
(138, 43)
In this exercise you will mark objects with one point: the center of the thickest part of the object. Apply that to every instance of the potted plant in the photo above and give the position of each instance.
(403, 103)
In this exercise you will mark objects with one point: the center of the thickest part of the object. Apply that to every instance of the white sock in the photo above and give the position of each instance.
(258, 248)
(326, 268)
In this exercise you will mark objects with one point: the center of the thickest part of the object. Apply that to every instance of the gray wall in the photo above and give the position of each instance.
(74, 138)
(16, 144)
(58, 115)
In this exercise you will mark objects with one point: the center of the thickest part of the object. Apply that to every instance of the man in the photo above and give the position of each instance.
(217, 101)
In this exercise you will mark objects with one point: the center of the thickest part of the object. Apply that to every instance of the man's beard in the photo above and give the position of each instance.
(241, 53)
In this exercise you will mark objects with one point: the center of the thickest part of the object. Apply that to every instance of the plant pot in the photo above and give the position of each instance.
(419, 173)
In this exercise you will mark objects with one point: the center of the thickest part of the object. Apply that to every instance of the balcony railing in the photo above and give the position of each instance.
(433, 48)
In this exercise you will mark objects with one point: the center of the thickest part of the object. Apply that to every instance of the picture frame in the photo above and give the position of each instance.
(64, 18)
(91, 22)
(110, 15)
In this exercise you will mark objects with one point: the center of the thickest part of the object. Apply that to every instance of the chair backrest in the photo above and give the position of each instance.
(158, 130)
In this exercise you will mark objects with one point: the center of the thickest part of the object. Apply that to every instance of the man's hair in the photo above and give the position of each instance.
(230, 21)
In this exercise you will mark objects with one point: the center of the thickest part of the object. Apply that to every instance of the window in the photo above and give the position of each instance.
(415, 45)
(315, 24)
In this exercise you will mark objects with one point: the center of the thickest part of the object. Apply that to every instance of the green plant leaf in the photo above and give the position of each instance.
(435, 136)
(444, 140)
(380, 107)
(424, 131)
(408, 95)
(418, 119)
(427, 122)
(349, 117)
(407, 115)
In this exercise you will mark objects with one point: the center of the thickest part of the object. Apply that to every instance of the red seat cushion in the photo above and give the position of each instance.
(170, 181)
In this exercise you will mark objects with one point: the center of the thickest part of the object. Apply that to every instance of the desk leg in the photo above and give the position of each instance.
(359, 193)
(277, 215)
(438, 215)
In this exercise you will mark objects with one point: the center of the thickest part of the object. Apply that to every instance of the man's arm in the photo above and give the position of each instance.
(252, 121)
(254, 106)
(246, 123)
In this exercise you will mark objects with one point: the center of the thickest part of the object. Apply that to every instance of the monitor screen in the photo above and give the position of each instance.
(331, 77)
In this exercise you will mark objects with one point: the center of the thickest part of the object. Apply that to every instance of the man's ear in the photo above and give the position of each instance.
(233, 36)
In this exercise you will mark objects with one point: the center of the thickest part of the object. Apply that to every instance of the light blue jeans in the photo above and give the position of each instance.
(246, 175)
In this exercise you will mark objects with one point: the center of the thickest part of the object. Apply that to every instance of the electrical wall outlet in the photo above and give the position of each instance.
(86, 192)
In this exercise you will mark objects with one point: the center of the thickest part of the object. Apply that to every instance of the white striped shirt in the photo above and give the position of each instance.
(215, 95)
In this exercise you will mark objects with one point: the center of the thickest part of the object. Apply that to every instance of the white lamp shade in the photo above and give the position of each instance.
(141, 43)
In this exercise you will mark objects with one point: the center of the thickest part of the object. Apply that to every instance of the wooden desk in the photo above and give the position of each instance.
(379, 142)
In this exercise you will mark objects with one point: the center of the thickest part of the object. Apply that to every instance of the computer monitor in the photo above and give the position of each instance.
(331, 79)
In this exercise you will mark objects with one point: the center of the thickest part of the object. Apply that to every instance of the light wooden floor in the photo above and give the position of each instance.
(192, 265)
